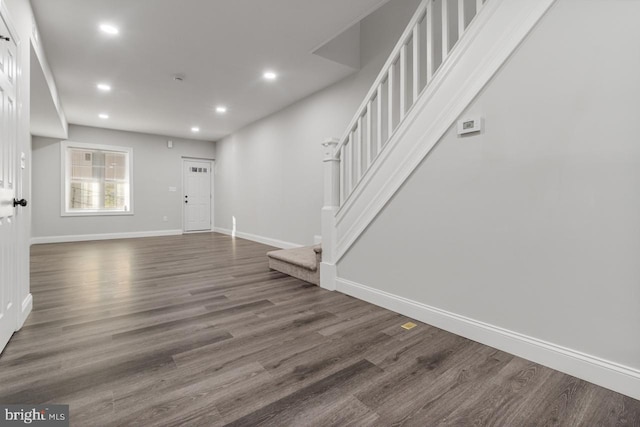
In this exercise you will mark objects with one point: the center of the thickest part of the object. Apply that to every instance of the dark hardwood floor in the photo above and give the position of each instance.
(196, 330)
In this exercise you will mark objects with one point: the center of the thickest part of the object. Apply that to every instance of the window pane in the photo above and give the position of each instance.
(84, 195)
(115, 166)
(81, 164)
(114, 196)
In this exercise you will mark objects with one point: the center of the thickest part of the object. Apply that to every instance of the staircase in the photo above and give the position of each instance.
(303, 263)
(447, 54)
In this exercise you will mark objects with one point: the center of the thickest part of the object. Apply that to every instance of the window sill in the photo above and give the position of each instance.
(97, 213)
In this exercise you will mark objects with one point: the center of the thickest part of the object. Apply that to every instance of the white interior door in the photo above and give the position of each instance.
(8, 186)
(197, 195)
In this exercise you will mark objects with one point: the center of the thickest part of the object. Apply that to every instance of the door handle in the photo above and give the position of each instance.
(5, 38)
(21, 202)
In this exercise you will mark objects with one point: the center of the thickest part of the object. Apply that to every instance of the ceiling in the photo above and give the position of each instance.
(221, 46)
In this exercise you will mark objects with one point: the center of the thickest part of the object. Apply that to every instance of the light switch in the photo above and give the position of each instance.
(173, 189)
(23, 160)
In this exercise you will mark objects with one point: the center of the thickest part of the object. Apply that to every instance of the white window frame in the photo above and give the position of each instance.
(66, 170)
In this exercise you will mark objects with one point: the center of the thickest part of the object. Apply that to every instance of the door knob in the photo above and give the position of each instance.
(21, 202)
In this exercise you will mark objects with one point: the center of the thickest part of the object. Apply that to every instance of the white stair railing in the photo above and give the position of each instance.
(425, 45)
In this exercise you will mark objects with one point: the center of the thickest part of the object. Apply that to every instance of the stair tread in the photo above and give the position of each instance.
(303, 257)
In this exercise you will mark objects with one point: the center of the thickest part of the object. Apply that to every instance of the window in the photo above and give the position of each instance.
(96, 179)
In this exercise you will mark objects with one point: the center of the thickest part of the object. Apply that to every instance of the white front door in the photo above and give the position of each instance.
(197, 195)
(8, 187)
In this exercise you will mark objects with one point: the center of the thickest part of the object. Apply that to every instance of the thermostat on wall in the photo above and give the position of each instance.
(469, 125)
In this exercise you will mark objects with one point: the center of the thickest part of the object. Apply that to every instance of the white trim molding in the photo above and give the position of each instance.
(260, 239)
(65, 166)
(106, 236)
(328, 276)
(27, 306)
(605, 373)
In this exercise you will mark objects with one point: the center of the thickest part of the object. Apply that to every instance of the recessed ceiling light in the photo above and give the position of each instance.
(103, 116)
(195, 129)
(109, 29)
(270, 75)
(104, 87)
(221, 109)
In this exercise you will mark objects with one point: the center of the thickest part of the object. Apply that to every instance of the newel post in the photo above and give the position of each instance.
(331, 162)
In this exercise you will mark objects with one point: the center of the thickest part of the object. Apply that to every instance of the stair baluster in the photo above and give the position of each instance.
(429, 33)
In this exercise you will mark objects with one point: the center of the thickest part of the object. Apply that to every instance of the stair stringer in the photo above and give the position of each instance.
(492, 38)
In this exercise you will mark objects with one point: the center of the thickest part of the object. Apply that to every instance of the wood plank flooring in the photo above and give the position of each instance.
(196, 330)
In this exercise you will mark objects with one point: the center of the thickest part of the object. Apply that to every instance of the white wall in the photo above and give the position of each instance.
(532, 226)
(155, 169)
(269, 174)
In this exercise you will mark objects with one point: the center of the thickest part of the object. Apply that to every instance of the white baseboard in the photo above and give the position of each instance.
(105, 236)
(198, 232)
(27, 306)
(590, 368)
(260, 239)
